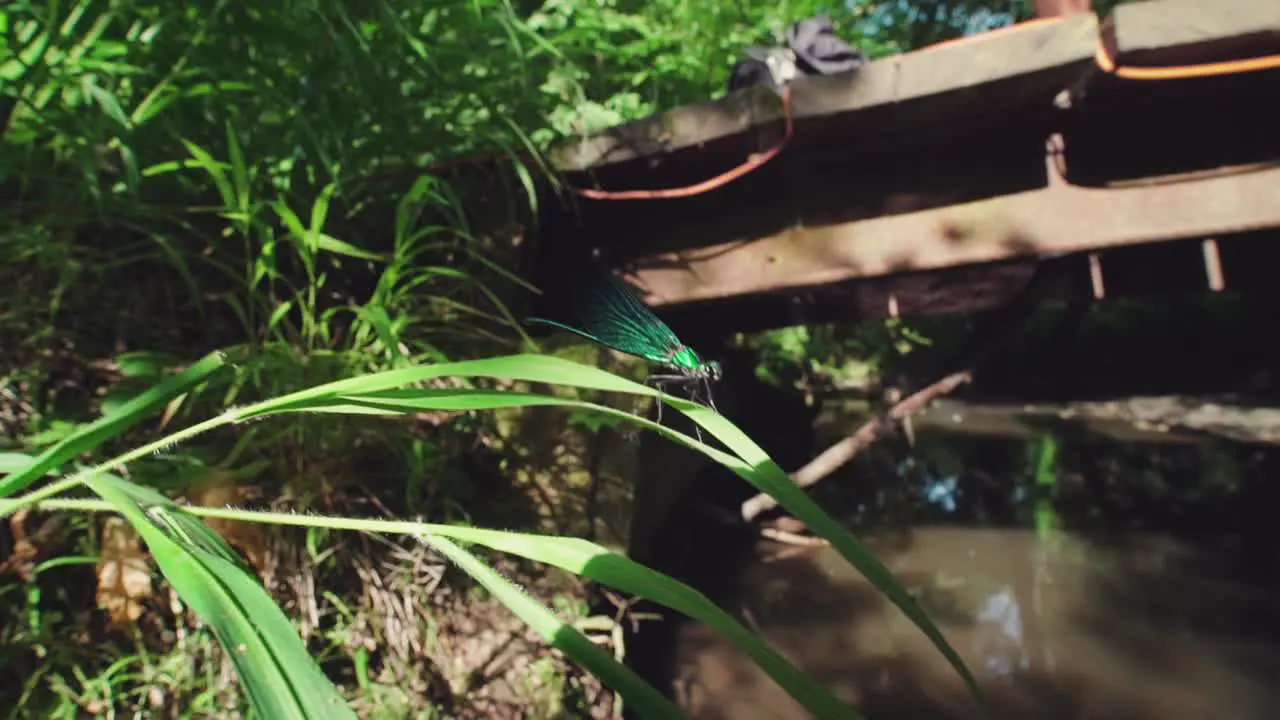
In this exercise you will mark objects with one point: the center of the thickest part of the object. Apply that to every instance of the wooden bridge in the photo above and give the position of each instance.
(1131, 155)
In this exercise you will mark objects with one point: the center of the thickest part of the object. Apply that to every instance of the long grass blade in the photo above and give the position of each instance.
(113, 424)
(747, 459)
(278, 674)
(639, 695)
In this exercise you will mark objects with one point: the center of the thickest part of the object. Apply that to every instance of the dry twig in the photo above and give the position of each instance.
(842, 452)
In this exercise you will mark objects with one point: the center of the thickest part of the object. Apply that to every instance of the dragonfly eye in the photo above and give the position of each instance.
(713, 371)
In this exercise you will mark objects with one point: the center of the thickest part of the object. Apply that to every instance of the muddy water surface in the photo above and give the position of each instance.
(1054, 626)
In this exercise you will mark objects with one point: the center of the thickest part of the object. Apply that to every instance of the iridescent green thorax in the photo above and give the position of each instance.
(685, 358)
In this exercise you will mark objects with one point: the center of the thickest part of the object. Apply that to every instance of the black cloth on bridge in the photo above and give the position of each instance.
(813, 48)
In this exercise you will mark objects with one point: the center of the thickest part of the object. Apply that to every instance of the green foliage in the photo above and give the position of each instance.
(224, 153)
(618, 61)
(813, 358)
(275, 181)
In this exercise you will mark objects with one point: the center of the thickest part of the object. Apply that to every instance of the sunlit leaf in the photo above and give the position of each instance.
(276, 670)
(640, 696)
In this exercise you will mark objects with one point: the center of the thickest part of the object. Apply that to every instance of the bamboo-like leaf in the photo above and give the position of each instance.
(372, 393)
(328, 243)
(278, 674)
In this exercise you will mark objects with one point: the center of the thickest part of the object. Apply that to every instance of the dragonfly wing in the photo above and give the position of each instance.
(562, 326)
(614, 316)
(611, 338)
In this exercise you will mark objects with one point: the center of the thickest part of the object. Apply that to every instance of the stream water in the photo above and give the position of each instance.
(1078, 577)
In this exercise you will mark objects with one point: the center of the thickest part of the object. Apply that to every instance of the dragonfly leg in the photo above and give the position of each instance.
(692, 388)
(660, 385)
(689, 384)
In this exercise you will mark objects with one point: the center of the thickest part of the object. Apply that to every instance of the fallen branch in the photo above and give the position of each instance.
(847, 449)
(995, 331)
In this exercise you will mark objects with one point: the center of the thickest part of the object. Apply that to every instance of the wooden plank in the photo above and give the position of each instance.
(1044, 56)
(1041, 55)
(1056, 219)
(1213, 266)
(955, 290)
(1149, 32)
(1029, 50)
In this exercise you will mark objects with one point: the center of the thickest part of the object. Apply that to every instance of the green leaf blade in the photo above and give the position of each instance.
(108, 426)
(278, 674)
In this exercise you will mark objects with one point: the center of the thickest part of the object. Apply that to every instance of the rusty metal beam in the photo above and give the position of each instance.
(1059, 218)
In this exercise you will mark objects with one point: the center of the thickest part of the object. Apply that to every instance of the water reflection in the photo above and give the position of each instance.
(1122, 582)
(1000, 611)
(1085, 631)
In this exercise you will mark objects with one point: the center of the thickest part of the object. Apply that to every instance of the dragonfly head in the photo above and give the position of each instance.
(690, 365)
(712, 371)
